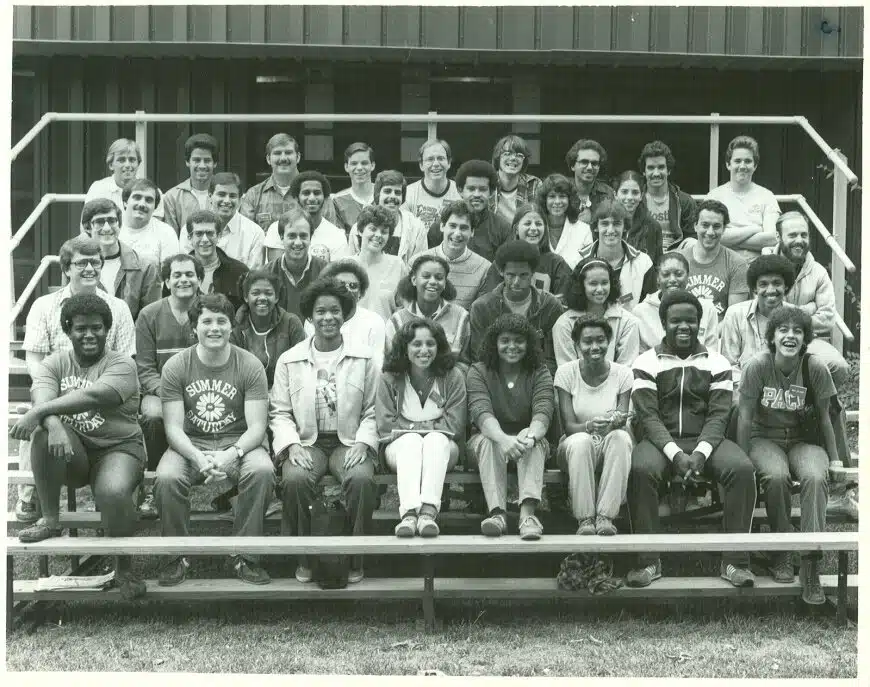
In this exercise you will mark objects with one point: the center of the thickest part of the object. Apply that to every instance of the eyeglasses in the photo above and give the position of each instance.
(96, 263)
(210, 234)
(103, 221)
(589, 163)
(432, 160)
(512, 154)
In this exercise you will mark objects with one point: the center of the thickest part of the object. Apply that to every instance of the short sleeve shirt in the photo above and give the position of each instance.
(724, 276)
(105, 427)
(591, 401)
(326, 396)
(214, 397)
(780, 399)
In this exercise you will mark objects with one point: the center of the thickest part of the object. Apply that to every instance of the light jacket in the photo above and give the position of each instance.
(411, 242)
(636, 275)
(292, 415)
(652, 331)
(682, 398)
(624, 345)
(179, 203)
(391, 392)
(454, 319)
(227, 278)
(813, 291)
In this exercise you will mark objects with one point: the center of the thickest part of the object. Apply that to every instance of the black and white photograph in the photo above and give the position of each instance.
(440, 340)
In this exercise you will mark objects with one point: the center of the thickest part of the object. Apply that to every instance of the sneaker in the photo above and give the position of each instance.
(427, 527)
(408, 526)
(739, 577)
(644, 577)
(130, 585)
(173, 573)
(587, 527)
(531, 528)
(303, 574)
(604, 526)
(812, 593)
(248, 571)
(148, 507)
(38, 532)
(27, 511)
(494, 526)
(781, 568)
(275, 507)
(355, 576)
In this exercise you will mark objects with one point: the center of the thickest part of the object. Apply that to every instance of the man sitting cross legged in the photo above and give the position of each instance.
(215, 409)
(83, 429)
(682, 398)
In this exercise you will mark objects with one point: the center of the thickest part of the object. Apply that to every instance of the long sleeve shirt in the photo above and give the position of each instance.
(532, 397)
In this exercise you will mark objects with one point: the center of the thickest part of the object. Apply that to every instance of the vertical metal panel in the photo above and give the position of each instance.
(162, 23)
(852, 31)
(557, 28)
(363, 25)
(631, 30)
(403, 26)
(325, 24)
(594, 28)
(83, 23)
(103, 24)
(122, 23)
(240, 24)
(831, 41)
(285, 24)
(480, 28)
(812, 20)
(63, 24)
(745, 35)
(44, 23)
(774, 28)
(441, 27)
(518, 28)
(669, 29)
(22, 22)
(200, 23)
(708, 30)
(141, 24)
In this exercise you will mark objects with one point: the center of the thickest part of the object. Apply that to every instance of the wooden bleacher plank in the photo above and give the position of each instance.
(411, 588)
(232, 588)
(447, 544)
(844, 474)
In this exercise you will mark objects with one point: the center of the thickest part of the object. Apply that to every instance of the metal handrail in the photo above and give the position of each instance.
(843, 327)
(713, 119)
(836, 248)
(44, 202)
(41, 269)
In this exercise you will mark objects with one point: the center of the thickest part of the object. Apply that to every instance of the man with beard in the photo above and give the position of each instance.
(83, 429)
(813, 290)
(311, 191)
(682, 398)
(181, 201)
(587, 159)
(240, 238)
(672, 208)
(477, 181)
(140, 229)
(268, 200)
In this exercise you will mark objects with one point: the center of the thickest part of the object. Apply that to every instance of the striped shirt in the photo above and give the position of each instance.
(159, 336)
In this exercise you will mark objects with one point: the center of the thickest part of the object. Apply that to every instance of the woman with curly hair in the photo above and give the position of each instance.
(377, 225)
(510, 407)
(558, 203)
(780, 387)
(420, 410)
(593, 400)
(429, 294)
(594, 289)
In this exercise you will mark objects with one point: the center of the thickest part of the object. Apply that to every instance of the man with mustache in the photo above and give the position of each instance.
(265, 202)
(671, 207)
(140, 229)
(587, 159)
(192, 194)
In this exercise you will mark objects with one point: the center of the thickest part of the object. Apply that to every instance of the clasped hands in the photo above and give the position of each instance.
(514, 446)
(215, 465)
(689, 466)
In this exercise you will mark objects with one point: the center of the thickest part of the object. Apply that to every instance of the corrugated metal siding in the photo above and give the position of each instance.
(753, 31)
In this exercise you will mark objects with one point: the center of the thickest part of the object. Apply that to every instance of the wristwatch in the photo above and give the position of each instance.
(239, 452)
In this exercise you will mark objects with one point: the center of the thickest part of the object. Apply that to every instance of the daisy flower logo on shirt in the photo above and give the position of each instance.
(210, 407)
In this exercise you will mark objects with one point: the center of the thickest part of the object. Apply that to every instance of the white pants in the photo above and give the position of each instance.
(421, 463)
(26, 492)
(490, 462)
(580, 457)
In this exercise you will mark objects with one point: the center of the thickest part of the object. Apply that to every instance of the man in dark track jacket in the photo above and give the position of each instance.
(682, 397)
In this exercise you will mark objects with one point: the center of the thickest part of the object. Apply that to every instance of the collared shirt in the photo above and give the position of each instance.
(107, 188)
(525, 190)
(742, 334)
(180, 203)
(327, 235)
(240, 238)
(264, 203)
(43, 333)
(289, 275)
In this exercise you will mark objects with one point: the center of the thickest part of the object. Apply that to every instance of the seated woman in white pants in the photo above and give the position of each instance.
(593, 400)
(510, 406)
(420, 410)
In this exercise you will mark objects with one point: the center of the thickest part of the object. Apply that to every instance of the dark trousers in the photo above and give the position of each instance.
(728, 466)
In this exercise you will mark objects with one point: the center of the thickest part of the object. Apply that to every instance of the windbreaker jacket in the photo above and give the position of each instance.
(681, 211)
(285, 331)
(682, 398)
(292, 416)
(813, 291)
(652, 331)
(624, 346)
(637, 275)
(227, 278)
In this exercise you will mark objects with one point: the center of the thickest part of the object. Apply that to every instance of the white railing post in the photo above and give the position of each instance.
(838, 272)
(714, 153)
(142, 142)
(432, 127)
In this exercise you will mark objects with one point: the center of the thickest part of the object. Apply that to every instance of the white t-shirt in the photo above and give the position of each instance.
(757, 208)
(208, 279)
(327, 235)
(421, 203)
(326, 395)
(201, 198)
(155, 241)
(365, 326)
(109, 272)
(107, 188)
(575, 236)
(587, 401)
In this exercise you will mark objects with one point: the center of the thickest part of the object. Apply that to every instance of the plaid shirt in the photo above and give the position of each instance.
(526, 189)
(43, 333)
(264, 203)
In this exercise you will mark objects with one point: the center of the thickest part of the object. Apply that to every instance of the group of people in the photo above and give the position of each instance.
(267, 338)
